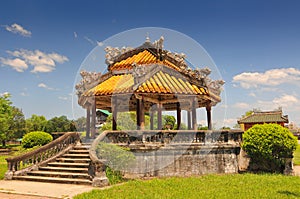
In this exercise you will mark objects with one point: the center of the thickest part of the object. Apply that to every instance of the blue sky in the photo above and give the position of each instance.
(254, 44)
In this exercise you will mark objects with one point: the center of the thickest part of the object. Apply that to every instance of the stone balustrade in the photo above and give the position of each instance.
(24, 163)
(171, 136)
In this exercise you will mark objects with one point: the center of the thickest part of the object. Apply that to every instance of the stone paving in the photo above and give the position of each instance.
(11, 189)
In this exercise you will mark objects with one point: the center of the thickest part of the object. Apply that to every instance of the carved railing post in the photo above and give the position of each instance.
(97, 167)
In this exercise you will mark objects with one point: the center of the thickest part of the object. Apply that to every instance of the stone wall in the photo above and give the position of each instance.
(180, 160)
(164, 153)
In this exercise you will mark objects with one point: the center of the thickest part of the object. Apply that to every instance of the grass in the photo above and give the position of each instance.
(208, 186)
(3, 166)
(296, 159)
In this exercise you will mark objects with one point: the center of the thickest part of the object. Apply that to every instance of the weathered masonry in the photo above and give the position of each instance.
(174, 153)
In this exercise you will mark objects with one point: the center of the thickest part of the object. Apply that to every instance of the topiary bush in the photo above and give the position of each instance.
(267, 146)
(36, 138)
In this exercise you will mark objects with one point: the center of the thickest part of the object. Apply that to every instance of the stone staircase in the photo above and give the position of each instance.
(71, 168)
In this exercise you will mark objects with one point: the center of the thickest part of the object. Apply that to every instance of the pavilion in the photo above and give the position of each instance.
(148, 79)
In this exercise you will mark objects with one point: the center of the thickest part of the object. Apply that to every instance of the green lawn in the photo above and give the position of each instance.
(297, 156)
(208, 186)
(3, 166)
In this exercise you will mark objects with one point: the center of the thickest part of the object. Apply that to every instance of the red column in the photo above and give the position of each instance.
(115, 113)
(208, 112)
(178, 116)
(194, 116)
(88, 123)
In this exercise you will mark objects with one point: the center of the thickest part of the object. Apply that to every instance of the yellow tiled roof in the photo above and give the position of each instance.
(144, 57)
(159, 83)
(115, 84)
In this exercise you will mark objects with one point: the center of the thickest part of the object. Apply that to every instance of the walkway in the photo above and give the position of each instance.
(11, 189)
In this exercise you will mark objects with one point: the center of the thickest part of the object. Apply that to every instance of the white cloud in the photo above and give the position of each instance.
(289, 103)
(286, 100)
(99, 43)
(24, 94)
(42, 85)
(40, 61)
(16, 63)
(252, 94)
(242, 105)
(63, 98)
(75, 35)
(89, 40)
(271, 77)
(18, 29)
(229, 122)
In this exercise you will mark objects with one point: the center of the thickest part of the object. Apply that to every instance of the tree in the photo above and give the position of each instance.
(125, 121)
(60, 124)
(225, 128)
(6, 117)
(17, 126)
(36, 123)
(168, 121)
(80, 123)
(268, 145)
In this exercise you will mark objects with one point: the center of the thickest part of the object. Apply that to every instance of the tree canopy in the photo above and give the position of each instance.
(268, 145)
(6, 117)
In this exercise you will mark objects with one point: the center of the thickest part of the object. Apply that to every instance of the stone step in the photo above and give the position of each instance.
(79, 151)
(64, 169)
(60, 174)
(75, 160)
(75, 155)
(87, 147)
(68, 164)
(54, 180)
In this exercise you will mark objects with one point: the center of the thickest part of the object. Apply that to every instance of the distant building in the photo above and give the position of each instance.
(262, 117)
(101, 116)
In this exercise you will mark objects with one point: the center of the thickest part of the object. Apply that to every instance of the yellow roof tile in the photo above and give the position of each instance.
(144, 57)
(160, 82)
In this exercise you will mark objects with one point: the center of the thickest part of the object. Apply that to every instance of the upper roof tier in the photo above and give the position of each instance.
(144, 57)
(147, 53)
(149, 70)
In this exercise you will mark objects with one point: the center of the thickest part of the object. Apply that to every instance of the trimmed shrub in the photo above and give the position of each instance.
(36, 138)
(117, 159)
(268, 145)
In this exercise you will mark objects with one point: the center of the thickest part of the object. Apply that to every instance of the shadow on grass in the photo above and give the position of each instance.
(289, 193)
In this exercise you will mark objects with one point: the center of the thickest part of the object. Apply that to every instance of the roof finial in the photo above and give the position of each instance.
(147, 38)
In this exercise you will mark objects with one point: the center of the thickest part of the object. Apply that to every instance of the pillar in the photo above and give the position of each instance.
(208, 113)
(93, 122)
(159, 116)
(178, 116)
(151, 119)
(140, 114)
(115, 113)
(194, 115)
(189, 119)
(88, 123)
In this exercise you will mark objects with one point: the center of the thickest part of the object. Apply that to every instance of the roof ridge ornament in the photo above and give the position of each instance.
(88, 81)
(112, 53)
(159, 44)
